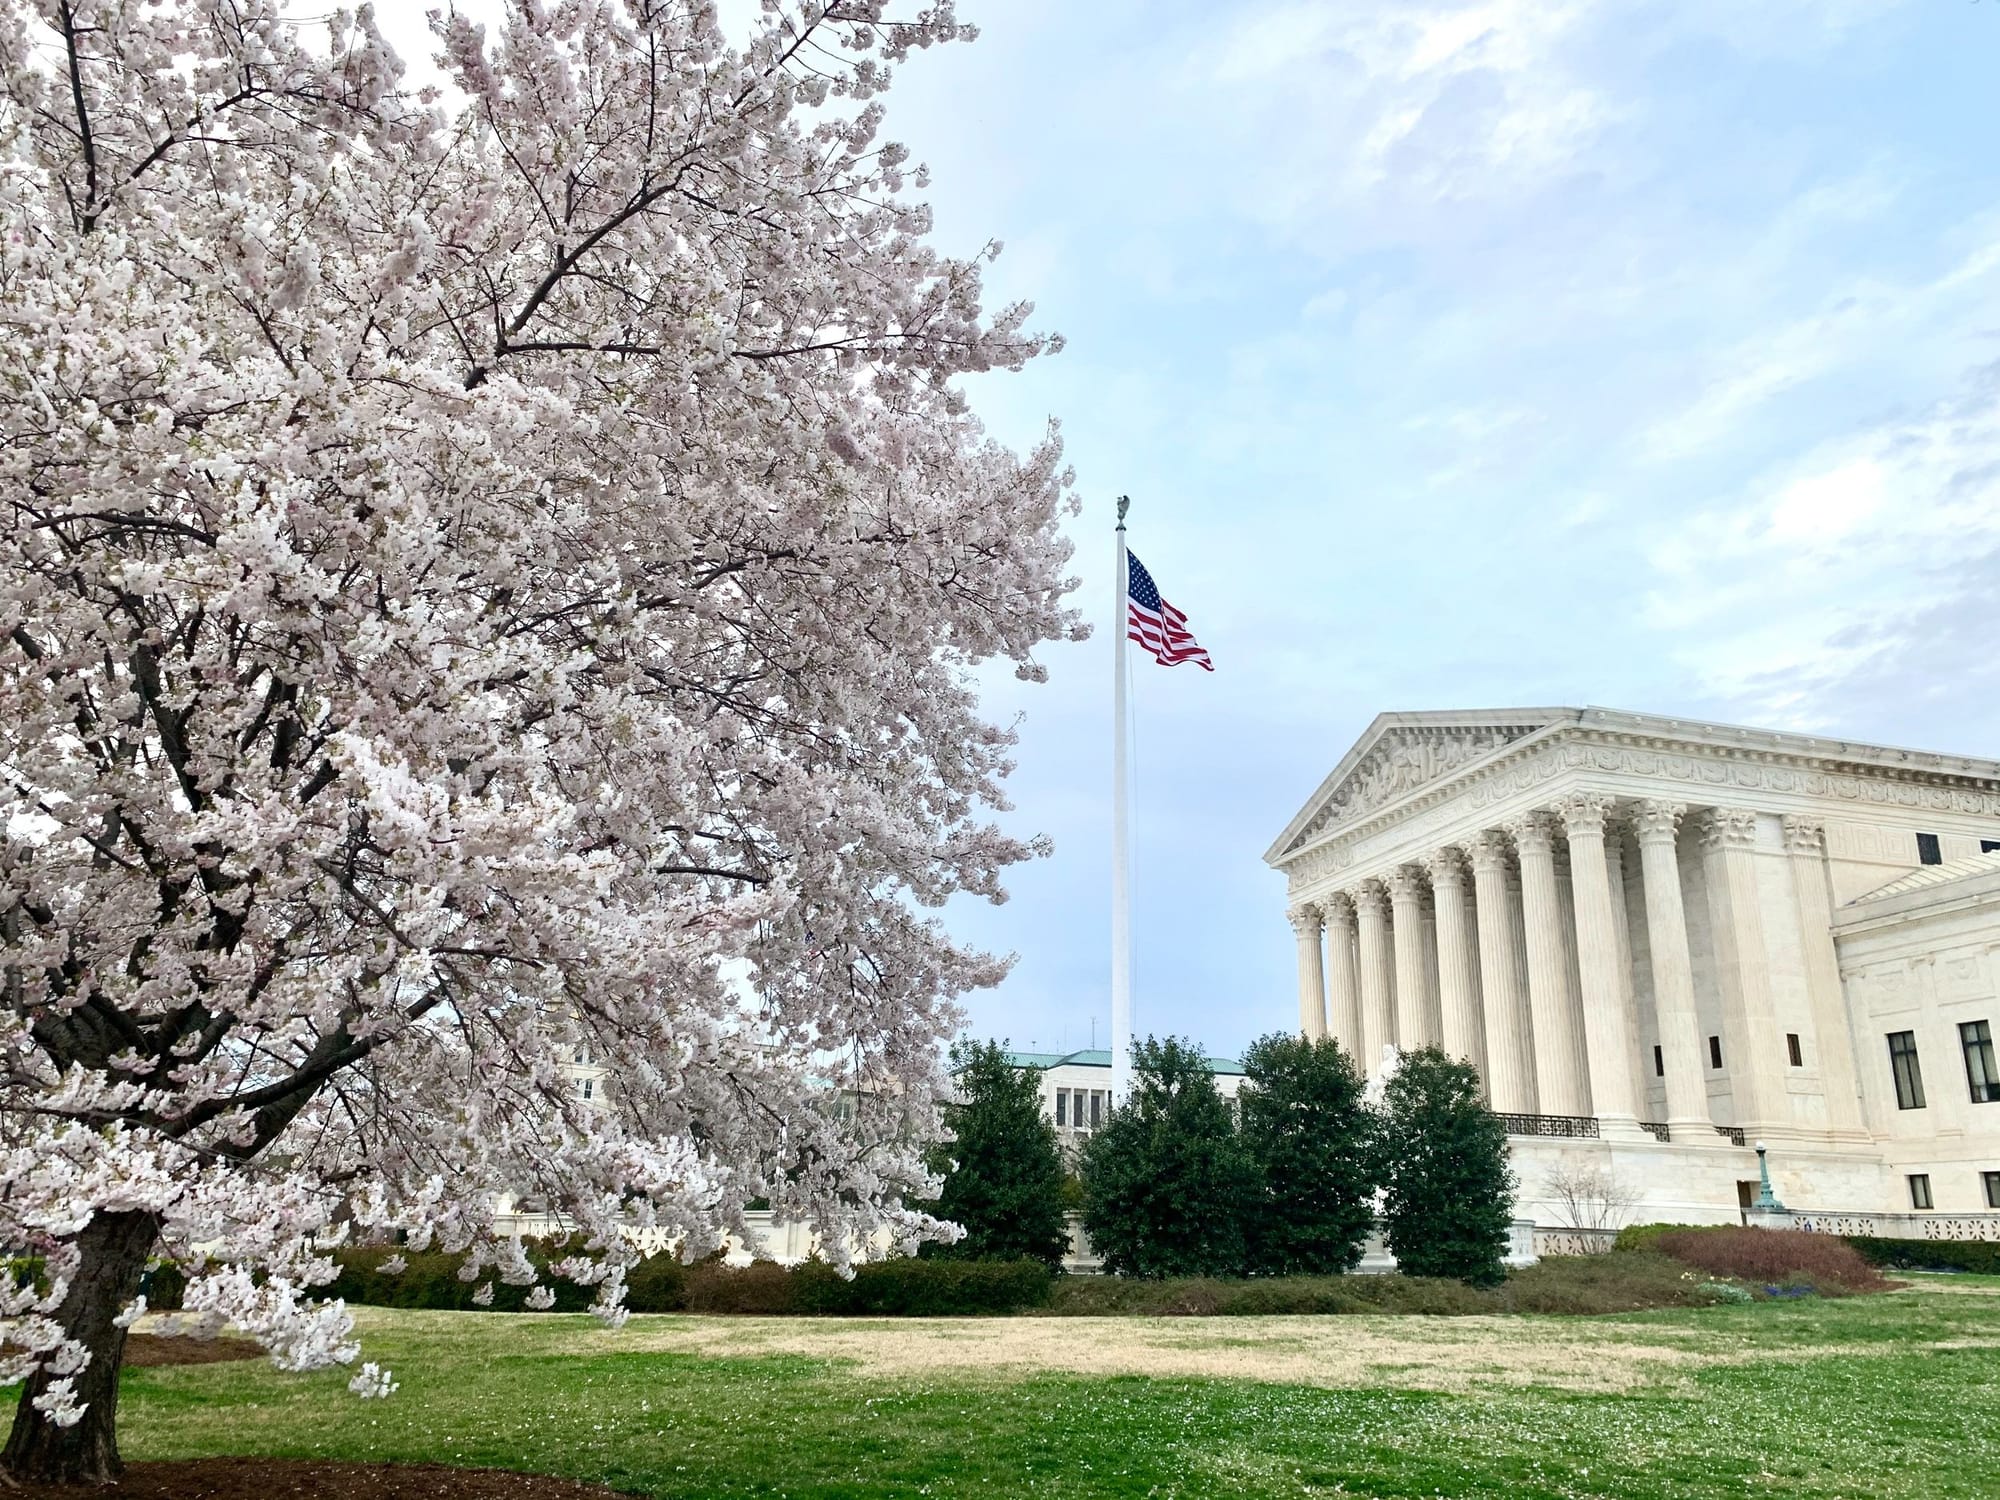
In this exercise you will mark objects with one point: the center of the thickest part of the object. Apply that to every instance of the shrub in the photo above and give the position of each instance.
(1982, 1257)
(1646, 1236)
(1577, 1285)
(1167, 1184)
(163, 1286)
(660, 1283)
(1003, 1174)
(1592, 1284)
(926, 1288)
(1449, 1191)
(430, 1280)
(1766, 1256)
(1310, 1138)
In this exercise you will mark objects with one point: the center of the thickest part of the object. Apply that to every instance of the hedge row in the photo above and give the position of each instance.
(1979, 1256)
(658, 1284)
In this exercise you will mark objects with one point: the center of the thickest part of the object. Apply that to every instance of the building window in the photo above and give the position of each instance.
(1991, 1182)
(1927, 850)
(1659, 1062)
(1062, 1108)
(1792, 1049)
(586, 1086)
(1920, 1190)
(1903, 1063)
(1715, 1052)
(1977, 1039)
(1096, 1108)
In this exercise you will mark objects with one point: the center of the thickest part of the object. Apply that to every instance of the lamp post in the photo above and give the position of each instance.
(1766, 1201)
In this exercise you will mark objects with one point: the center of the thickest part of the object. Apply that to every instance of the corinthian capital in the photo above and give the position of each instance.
(1585, 814)
(1728, 828)
(1304, 919)
(1656, 821)
(1371, 899)
(1406, 883)
(1534, 833)
(1339, 909)
(1488, 851)
(1804, 835)
(1447, 867)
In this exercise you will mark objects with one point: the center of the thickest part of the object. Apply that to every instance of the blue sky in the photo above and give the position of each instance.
(1456, 356)
(1465, 355)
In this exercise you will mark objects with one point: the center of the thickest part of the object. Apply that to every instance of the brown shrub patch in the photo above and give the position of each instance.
(1778, 1257)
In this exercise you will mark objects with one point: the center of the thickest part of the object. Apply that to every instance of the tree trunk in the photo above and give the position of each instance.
(115, 1247)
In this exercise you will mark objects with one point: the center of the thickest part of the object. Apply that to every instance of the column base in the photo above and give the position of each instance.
(1624, 1129)
(1695, 1132)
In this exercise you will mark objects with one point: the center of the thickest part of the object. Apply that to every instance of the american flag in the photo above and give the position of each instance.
(1156, 624)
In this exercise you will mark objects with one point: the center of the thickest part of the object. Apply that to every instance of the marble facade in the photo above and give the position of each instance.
(1634, 926)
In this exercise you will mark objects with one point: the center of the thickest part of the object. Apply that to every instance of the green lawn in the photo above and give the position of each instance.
(1874, 1396)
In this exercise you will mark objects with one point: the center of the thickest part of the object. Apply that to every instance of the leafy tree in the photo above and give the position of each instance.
(1449, 1189)
(487, 573)
(1311, 1138)
(1167, 1186)
(1003, 1171)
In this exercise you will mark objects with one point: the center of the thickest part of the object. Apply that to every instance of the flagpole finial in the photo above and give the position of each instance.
(1124, 504)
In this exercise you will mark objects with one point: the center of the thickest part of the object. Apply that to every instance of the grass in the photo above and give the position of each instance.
(1885, 1396)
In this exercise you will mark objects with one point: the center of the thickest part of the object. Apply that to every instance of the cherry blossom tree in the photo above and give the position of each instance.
(492, 572)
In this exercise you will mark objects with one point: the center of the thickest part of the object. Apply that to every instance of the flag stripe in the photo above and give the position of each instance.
(1156, 624)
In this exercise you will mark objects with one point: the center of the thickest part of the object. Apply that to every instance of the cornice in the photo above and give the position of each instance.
(1694, 761)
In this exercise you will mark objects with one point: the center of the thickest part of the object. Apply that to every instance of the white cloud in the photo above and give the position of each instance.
(1834, 564)
(1867, 319)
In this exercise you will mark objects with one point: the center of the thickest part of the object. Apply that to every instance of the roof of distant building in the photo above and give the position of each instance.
(1098, 1057)
(1957, 869)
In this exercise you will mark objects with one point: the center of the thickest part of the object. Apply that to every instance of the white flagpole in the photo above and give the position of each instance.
(1121, 895)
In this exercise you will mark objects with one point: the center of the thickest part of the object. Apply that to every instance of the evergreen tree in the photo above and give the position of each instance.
(1310, 1136)
(1003, 1173)
(1450, 1191)
(1167, 1186)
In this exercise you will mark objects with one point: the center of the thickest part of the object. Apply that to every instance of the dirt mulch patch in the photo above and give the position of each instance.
(148, 1349)
(308, 1479)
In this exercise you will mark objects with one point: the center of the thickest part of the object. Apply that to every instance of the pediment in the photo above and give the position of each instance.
(1400, 755)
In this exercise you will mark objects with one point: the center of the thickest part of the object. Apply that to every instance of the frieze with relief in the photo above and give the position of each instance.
(1384, 778)
(1404, 761)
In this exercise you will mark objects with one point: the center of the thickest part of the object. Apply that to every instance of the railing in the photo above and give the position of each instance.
(1731, 1133)
(1573, 1127)
(1554, 1239)
(1910, 1226)
(1657, 1129)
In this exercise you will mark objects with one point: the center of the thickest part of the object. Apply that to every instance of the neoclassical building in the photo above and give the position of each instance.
(1662, 941)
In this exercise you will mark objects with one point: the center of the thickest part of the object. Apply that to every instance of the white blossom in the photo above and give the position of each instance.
(371, 1380)
(483, 582)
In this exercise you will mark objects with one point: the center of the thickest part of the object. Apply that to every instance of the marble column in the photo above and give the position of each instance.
(1755, 1059)
(1673, 972)
(1607, 1034)
(1343, 973)
(1433, 996)
(1378, 979)
(1305, 921)
(1833, 1041)
(1461, 1032)
(1406, 899)
(1560, 1080)
(1510, 1048)
(1642, 1061)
